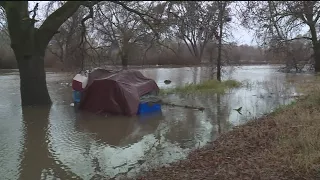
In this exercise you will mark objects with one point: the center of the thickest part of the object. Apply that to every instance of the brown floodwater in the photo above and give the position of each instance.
(61, 142)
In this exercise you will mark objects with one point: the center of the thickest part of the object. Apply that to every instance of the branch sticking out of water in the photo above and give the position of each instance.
(184, 106)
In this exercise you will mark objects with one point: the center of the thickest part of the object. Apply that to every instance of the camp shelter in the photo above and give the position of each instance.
(116, 93)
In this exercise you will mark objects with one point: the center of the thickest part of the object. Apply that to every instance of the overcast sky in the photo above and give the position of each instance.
(244, 36)
(240, 34)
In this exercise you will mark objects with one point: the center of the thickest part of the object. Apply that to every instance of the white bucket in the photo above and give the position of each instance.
(82, 79)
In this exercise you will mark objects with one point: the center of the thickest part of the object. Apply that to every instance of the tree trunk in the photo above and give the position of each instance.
(33, 85)
(316, 50)
(124, 60)
(316, 47)
(219, 58)
(29, 45)
(221, 12)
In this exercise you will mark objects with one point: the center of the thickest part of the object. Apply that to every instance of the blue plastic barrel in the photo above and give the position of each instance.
(76, 96)
(146, 108)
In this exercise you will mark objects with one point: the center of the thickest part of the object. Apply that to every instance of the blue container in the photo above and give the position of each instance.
(145, 108)
(76, 96)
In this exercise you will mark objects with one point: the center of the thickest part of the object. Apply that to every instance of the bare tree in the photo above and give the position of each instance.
(29, 43)
(121, 30)
(296, 54)
(279, 22)
(64, 45)
(196, 23)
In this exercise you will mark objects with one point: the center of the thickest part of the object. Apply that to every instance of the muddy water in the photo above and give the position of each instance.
(60, 142)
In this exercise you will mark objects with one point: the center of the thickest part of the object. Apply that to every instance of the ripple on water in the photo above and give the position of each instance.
(62, 132)
(11, 134)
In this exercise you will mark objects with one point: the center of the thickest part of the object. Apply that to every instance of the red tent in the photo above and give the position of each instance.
(115, 93)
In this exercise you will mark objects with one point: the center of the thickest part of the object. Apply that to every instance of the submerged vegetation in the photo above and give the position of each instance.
(211, 85)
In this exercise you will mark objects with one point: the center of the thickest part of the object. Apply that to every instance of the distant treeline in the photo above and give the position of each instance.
(233, 54)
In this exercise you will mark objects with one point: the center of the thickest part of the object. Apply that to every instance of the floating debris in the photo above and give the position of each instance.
(238, 110)
(183, 106)
(167, 81)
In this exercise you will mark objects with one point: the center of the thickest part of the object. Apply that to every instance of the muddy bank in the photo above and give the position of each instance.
(281, 145)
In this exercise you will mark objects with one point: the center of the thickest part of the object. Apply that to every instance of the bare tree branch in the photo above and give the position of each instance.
(35, 9)
(141, 15)
(49, 27)
(90, 15)
(171, 49)
(83, 33)
(297, 38)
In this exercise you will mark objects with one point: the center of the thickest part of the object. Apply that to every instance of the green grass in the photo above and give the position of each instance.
(208, 85)
(281, 108)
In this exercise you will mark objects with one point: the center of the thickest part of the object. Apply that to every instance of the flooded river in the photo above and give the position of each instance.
(60, 142)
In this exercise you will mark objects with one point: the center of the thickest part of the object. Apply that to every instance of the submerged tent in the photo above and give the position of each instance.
(115, 92)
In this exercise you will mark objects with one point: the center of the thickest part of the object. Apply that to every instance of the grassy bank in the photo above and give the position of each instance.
(211, 85)
(282, 145)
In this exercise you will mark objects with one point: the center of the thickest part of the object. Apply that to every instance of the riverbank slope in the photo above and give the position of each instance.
(282, 145)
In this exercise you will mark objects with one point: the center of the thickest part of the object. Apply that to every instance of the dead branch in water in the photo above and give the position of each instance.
(184, 106)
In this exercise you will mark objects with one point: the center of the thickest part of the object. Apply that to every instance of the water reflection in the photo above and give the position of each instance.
(59, 142)
(36, 160)
(117, 131)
